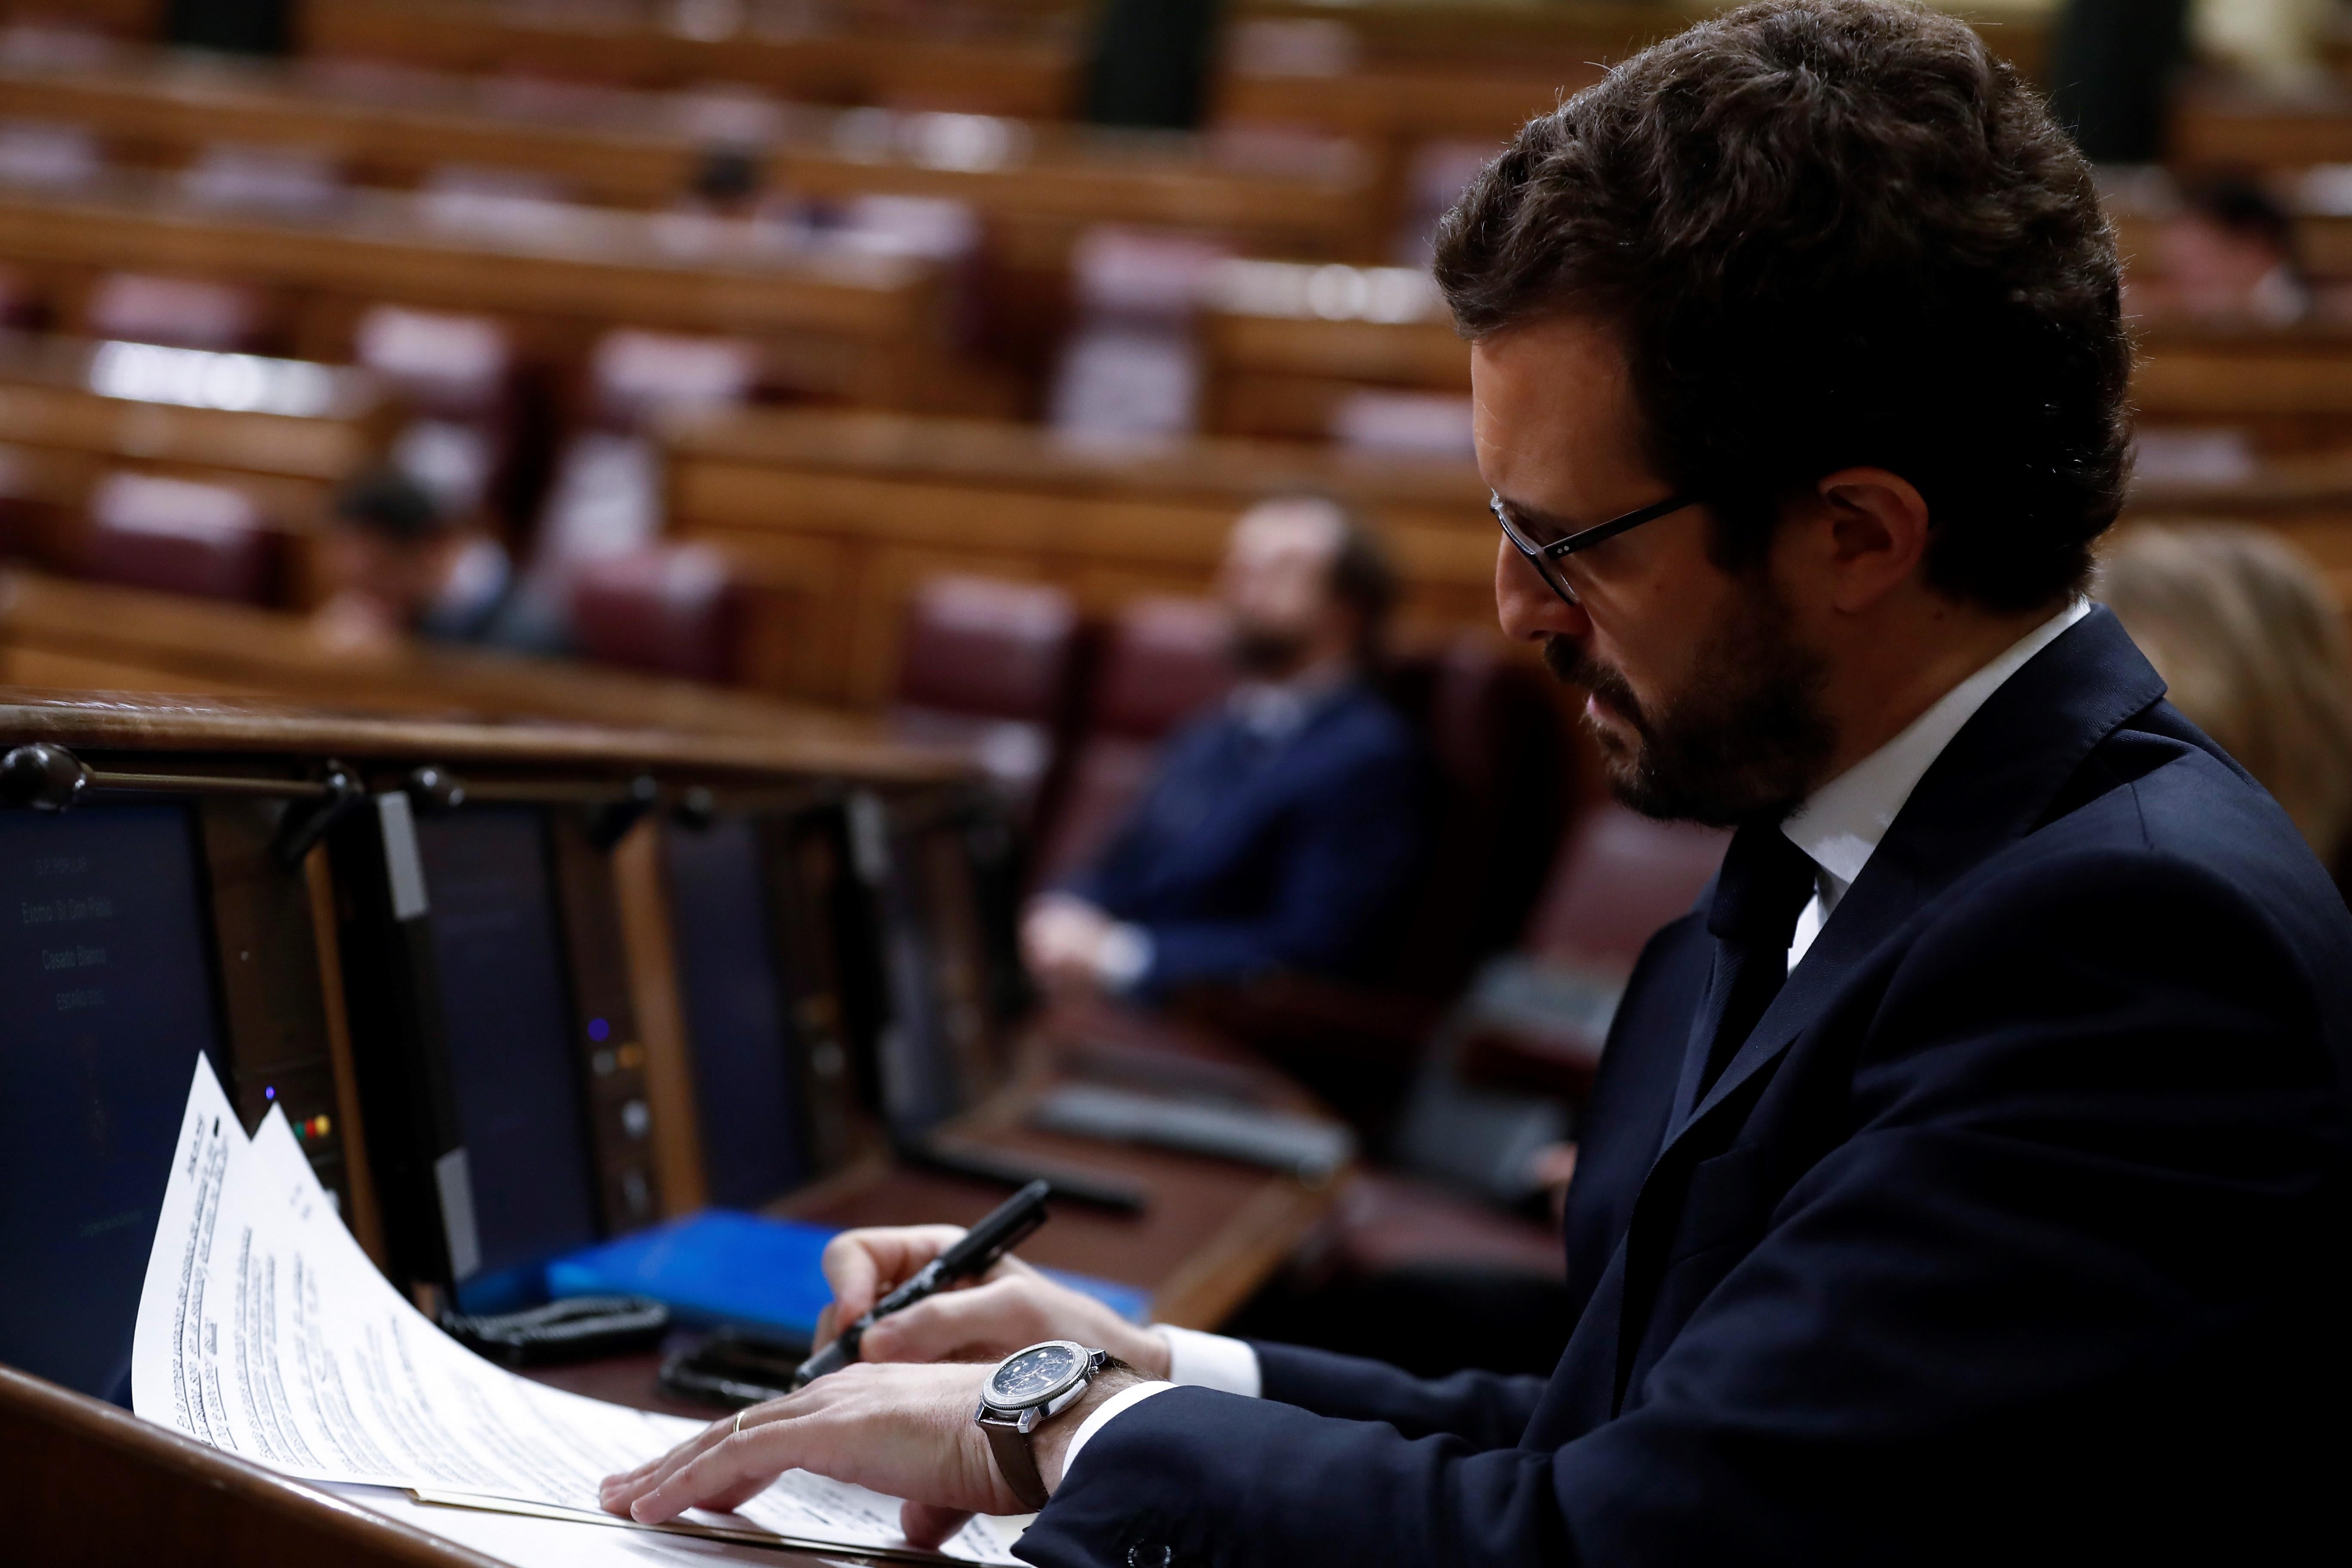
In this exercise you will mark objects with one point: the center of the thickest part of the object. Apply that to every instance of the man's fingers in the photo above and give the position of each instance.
(861, 1263)
(999, 1316)
(746, 1459)
(928, 1526)
(619, 1492)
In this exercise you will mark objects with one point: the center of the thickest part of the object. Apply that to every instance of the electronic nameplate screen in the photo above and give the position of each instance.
(745, 1093)
(507, 1016)
(106, 969)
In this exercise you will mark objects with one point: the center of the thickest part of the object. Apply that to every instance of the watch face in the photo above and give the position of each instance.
(1035, 1375)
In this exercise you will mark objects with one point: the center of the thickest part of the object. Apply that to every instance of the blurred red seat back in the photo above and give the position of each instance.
(1498, 746)
(987, 667)
(1161, 661)
(670, 609)
(178, 536)
(989, 648)
(1619, 877)
(184, 312)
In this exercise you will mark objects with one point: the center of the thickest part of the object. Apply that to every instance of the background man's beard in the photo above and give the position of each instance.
(1265, 655)
(1747, 741)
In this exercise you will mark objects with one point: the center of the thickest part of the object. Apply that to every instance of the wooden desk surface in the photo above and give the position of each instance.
(57, 632)
(1214, 1231)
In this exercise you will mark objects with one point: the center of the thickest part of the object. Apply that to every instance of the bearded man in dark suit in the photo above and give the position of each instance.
(1967, 1178)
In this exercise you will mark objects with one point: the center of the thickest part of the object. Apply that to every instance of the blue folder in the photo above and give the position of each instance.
(721, 1267)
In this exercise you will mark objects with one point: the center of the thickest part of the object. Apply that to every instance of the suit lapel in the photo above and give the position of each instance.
(1993, 785)
(1988, 789)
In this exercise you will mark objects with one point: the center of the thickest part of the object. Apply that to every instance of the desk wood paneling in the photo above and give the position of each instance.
(63, 634)
(833, 520)
(92, 1484)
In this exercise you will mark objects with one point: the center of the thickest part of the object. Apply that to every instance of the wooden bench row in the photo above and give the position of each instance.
(866, 328)
(1036, 183)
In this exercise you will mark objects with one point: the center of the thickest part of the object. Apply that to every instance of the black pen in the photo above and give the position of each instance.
(1006, 1226)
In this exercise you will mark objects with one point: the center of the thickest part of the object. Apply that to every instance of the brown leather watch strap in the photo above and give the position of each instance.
(1015, 1460)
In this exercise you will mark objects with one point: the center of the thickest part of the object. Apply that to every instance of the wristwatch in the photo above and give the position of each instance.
(1027, 1387)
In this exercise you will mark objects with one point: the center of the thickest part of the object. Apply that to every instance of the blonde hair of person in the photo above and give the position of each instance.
(2244, 630)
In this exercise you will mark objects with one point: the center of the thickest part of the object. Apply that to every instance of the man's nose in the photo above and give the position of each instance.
(1526, 604)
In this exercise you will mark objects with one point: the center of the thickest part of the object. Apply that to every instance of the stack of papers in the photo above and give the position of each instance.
(264, 1330)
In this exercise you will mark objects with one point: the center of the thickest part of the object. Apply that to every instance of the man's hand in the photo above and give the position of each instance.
(1011, 1306)
(905, 1430)
(1061, 940)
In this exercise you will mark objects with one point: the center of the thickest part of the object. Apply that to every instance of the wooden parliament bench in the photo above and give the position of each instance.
(1286, 343)
(648, 148)
(832, 520)
(57, 632)
(869, 328)
(2290, 387)
(281, 432)
(1015, 69)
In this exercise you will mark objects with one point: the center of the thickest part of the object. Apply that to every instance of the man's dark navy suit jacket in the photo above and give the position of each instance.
(2016, 1229)
(1247, 856)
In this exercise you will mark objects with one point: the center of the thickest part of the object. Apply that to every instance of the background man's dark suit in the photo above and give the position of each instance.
(2015, 1227)
(1250, 853)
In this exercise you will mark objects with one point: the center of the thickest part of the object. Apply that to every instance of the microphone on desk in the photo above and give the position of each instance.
(975, 1253)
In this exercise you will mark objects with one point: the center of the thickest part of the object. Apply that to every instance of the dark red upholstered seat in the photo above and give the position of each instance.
(670, 609)
(178, 537)
(185, 312)
(1161, 660)
(987, 666)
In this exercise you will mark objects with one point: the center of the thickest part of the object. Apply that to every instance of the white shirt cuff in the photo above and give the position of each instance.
(1211, 1361)
(1125, 1398)
(1122, 956)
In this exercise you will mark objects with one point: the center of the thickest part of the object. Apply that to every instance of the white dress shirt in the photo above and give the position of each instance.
(1838, 827)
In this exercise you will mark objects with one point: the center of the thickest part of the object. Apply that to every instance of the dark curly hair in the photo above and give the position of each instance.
(1832, 232)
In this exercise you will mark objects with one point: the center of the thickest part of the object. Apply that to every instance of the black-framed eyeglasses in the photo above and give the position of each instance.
(1544, 557)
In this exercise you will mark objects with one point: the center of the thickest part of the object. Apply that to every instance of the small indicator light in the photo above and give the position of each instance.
(598, 1029)
(268, 1093)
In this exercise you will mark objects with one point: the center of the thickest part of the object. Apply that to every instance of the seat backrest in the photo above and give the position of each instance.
(636, 375)
(987, 666)
(1161, 661)
(1617, 877)
(185, 312)
(1497, 738)
(989, 648)
(448, 366)
(672, 609)
(178, 537)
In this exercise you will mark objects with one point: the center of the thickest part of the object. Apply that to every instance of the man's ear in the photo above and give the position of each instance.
(1872, 530)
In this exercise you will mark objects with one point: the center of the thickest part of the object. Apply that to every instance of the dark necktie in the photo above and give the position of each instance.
(1764, 885)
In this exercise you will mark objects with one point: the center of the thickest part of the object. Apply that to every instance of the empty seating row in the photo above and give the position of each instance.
(832, 520)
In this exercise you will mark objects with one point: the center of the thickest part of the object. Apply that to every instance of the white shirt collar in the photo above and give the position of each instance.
(1277, 710)
(1841, 824)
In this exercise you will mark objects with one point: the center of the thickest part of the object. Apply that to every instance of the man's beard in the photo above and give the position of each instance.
(1263, 655)
(1747, 741)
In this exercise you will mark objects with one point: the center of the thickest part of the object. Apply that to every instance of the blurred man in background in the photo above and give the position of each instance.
(396, 564)
(1284, 827)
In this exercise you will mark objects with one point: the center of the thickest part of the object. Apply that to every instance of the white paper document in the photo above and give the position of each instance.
(265, 1330)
